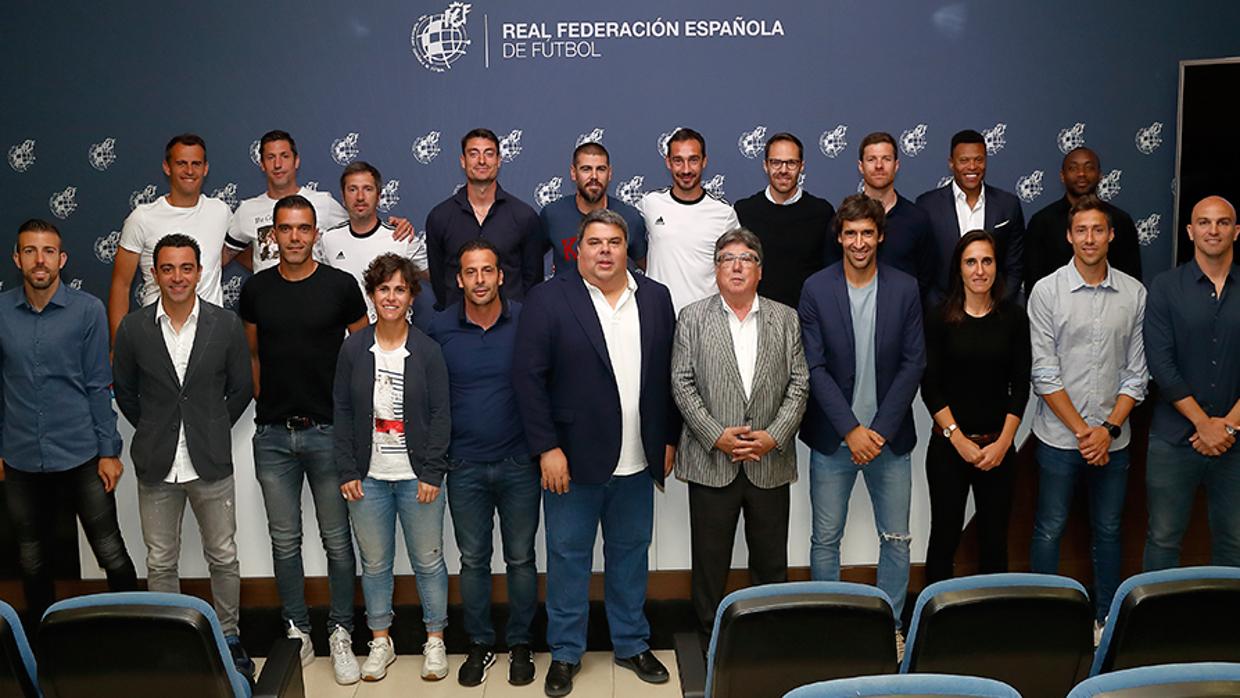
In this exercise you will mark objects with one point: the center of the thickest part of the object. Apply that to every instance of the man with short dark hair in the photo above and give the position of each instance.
(491, 467)
(908, 239)
(296, 315)
(683, 221)
(483, 209)
(793, 225)
(862, 331)
(738, 446)
(1085, 328)
(182, 210)
(591, 173)
(968, 203)
(591, 372)
(1046, 246)
(59, 447)
(1192, 341)
(181, 448)
(353, 244)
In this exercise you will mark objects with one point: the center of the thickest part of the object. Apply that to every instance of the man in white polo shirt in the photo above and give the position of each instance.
(683, 222)
(182, 210)
(353, 244)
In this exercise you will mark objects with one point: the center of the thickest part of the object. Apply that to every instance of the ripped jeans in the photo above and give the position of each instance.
(889, 480)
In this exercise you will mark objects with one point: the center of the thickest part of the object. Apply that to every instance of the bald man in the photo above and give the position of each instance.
(1192, 344)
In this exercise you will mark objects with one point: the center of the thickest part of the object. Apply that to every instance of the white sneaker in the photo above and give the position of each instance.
(382, 654)
(434, 660)
(899, 647)
(1098, 633)
(307, 647)
(344, 663)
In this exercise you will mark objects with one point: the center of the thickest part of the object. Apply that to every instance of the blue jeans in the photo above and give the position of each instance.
(283, 458)
(1059, 469)
(625, 507)
(889, 480)
(475, 492)
(374, 522)
(1172, 475)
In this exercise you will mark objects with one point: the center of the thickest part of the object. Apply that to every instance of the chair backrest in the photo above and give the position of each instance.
(772, 638)
(907, 685)
(17, 665)
(135, 644)
(1033, 631)
(1192, 680)
(1189, 614)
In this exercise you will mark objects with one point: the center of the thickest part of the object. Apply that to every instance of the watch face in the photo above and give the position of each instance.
(1114, 431)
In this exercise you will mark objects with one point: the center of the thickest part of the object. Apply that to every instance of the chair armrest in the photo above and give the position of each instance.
(281, 675)
(691, 663)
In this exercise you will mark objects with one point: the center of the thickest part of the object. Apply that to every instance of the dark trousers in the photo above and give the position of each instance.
(713, 515)
(33, 499)
(949, 478)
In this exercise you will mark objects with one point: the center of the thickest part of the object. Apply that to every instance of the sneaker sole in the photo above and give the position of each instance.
(435, 677)
(485, 670)
(379, 676)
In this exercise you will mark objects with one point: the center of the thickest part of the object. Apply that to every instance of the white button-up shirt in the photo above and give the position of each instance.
(744, 342)
(796, 196)
(179, 345)
(622, 333)
(969, 218)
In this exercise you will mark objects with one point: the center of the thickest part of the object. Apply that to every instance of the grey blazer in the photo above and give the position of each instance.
(218, 387)
(706, 384)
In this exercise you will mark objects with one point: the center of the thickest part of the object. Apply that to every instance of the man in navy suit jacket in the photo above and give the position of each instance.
(861, 327)
(592, 373)
(968, 203)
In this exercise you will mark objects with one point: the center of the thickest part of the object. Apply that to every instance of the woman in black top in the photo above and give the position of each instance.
(976, 385)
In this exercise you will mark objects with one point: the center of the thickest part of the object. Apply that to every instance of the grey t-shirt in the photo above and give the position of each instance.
(862, 302)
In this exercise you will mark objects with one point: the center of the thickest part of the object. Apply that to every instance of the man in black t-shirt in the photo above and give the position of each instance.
(793, 225)
(295, 315)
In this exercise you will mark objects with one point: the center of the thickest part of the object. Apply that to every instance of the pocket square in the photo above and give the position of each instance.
(1000, 225)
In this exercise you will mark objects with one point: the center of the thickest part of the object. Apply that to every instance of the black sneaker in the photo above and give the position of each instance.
(520, 665)
(474, 671)
(559, 681)
(241, 659)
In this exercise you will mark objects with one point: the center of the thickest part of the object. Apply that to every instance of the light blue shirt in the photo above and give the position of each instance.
(862, 303)
(1087, 341)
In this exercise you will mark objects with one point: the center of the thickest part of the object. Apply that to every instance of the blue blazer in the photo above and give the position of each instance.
(830, 352)
(565, 387)
(1004, 219)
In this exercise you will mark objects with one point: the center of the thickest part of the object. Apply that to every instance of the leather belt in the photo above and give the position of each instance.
(299, 423)
(983, 439)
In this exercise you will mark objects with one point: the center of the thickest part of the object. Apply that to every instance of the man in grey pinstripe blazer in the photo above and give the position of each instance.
(740, 380)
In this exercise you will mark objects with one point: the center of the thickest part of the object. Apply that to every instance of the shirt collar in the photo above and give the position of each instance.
(504, 312)
(630, 284)
(1199, 275)
(1076, 281)
(60, 297)
(160, 313)
(728, 309)
(959, 195)
(401, 352)
(462, 195)
(796, 196)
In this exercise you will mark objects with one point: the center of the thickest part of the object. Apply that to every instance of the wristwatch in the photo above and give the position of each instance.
(1112, 429)
(947, 430)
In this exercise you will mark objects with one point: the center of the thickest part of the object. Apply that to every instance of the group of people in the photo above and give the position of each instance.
(684, 335)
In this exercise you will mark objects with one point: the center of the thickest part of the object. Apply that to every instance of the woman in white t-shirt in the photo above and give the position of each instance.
(392, 427)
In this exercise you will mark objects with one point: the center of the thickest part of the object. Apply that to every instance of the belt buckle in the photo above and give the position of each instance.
(298, 423)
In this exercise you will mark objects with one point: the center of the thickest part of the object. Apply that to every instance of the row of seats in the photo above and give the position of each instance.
(130, 644)
(1033, 632)
(1192, 680)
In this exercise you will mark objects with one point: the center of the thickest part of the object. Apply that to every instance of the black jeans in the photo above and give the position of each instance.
(713, 515)
(949, 478)
(33, 499)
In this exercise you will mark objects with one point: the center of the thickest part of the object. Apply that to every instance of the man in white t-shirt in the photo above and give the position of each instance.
(683, 222)
(182, 210)
(250, 227)
(353, 244)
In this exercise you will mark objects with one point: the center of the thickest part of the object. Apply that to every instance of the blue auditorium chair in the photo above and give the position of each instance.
(1188, 614)
(772, 638)
(1191, 680)
(1033, 631)
(907, 685)
(130, 644)
(17, 666)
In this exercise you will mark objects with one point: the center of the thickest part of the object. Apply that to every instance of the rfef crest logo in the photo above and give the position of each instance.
(510, 145)
(1149, 138)
(1108, 186)
(439, 40)
(21, 156)
(344, 150)
(390, 195)
(595, 136)
(913, 140)
(752, 143)
(548, 191)
(630, 190)
(1071, 138)
(227, 194)
(256, 153)
(833, 142)
(664, 139)
(995, 138)
(105, 246)
(1029, 187)
(101, 155)
(144, 195)
(714, 186)
(63, 203)
(1148, 229)
(426, 148)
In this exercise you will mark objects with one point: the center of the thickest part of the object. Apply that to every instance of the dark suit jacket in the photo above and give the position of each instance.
(566, 390)
(428, 413)
(218, 387)
(830, 352)
(1004, 219)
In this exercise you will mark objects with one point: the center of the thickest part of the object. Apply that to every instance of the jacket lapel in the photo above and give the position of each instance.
(582, 308)
(763, 365)
(206, 325)
(155, 331)
(718, 331)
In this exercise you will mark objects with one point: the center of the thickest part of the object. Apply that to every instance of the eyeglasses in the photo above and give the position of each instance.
(782, 164)
(745, 259)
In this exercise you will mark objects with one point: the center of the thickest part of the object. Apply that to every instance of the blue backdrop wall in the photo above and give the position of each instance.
(93, 90)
